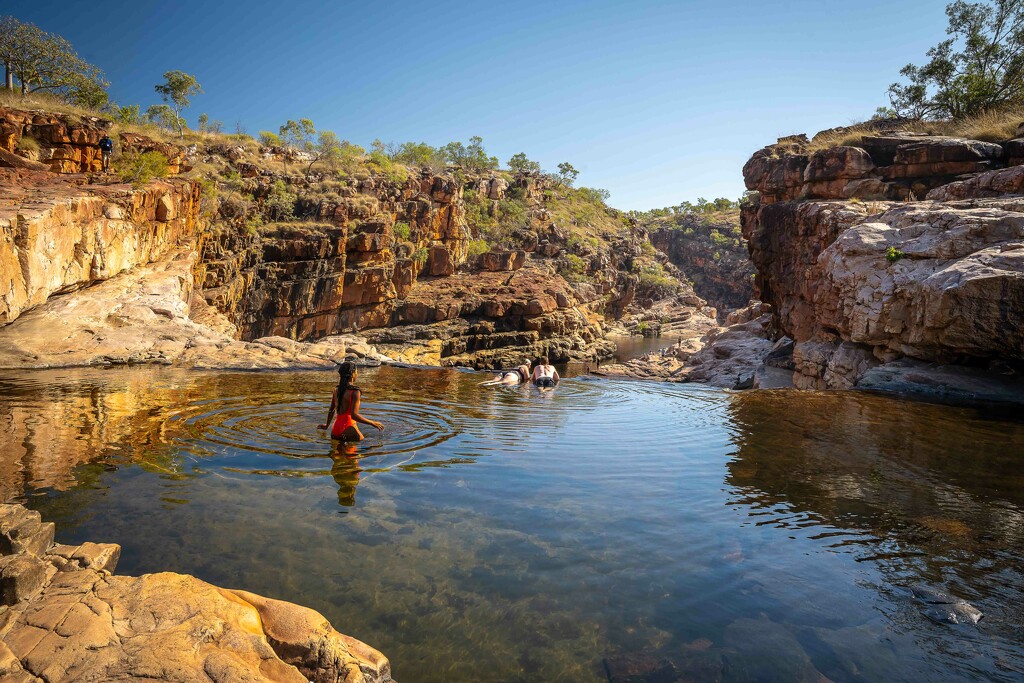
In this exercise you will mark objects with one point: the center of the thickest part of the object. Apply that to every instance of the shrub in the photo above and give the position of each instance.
(477, 247)
(655, 277)
(892, 254)
(139, 169)
(420, 256)
(573, 268)
(402, 230)
(280, 203)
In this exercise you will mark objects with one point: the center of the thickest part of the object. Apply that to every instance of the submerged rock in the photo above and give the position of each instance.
(69, 618)
(942, 607)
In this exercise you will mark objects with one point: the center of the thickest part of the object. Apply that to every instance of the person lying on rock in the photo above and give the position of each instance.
(520, 375)
(345, 402)
(544, 374)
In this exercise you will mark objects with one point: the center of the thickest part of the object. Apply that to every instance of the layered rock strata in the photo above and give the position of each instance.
(927, 283)
(58, 237)
(66, 617)
(66, 143)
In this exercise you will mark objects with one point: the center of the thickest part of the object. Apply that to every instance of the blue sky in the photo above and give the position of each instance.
(655, 101)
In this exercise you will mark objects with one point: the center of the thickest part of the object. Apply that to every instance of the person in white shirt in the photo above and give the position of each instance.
(544, 374)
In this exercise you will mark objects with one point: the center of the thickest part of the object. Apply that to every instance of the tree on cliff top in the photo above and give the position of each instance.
(471, 156)
(980, 67)
(46, 61)
(295, 135)
(176, 91)
(519, 163)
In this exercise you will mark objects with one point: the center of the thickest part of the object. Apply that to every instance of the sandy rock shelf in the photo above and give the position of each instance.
(66, 617)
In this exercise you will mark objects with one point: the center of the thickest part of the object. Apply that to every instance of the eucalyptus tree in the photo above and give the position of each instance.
(176, 90)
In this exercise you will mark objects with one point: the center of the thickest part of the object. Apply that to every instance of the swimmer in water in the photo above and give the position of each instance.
(345, 403)
(520, 375)
(544, 374)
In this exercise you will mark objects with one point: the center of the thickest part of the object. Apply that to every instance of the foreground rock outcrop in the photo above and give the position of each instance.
(66, 617)
(868, 287)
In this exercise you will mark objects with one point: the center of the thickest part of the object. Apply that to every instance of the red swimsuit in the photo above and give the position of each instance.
(344, 420)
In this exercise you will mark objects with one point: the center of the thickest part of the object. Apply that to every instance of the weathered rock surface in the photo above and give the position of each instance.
(716, 262)
(67, 144)
(894, 296)
(494, 319)
(68, 618)
(145, 316)
(55, 237)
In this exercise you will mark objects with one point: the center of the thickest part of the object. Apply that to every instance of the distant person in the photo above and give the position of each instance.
(345, 402)
(520, 375)
(106, 147)
(544, 374)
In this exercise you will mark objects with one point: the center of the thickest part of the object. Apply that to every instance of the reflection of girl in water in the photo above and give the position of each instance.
(345, 402)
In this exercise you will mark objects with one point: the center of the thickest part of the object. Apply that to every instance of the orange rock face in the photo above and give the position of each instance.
(57, 238)
(70, 144)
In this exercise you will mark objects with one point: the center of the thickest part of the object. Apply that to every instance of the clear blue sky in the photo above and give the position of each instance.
(655, 101)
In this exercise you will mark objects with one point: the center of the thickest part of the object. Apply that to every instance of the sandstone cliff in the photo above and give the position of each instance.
(895, 264)
(440, 267)
(712, 253)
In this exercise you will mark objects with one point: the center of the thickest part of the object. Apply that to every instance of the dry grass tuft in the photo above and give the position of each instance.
(993, 126)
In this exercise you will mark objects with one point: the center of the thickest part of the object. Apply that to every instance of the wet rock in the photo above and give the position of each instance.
(765, 650)
(942, 607)
(947, 383)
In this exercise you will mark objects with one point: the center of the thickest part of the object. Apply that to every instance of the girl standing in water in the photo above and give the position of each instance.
(345, 402)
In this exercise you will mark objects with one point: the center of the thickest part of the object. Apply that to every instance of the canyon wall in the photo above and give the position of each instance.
(58, 237)
(238, 250)
(890, 260)
(715, 262)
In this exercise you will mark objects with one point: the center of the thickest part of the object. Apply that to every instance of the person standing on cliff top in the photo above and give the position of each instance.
(106, 147)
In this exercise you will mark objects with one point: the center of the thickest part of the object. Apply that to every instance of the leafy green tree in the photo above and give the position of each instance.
(280, 203)
(567, 174)
(980, 67)
(46, 61)
(471, 156)
(295, 135)
(128, 115)
(327, 149)
(420, 154)
(520, 164)
(202, 122)
(176, 90)
(163, 115)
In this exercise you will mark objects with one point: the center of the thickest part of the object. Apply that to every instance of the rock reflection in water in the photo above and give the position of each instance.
(926, 495)
(501, 534)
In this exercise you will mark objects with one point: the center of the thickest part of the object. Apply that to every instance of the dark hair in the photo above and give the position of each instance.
(543, 360)
(345, 372)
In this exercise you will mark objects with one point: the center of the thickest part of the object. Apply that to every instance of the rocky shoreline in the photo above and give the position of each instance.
(66, 616)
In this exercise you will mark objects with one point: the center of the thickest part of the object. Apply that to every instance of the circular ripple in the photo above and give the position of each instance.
(289, 428)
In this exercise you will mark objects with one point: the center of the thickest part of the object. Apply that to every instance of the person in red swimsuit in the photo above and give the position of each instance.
(345, 403)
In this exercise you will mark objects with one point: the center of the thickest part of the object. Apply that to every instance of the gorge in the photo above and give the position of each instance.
(168, 347)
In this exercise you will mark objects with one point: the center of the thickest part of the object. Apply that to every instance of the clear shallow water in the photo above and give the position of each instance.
(501, 534)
